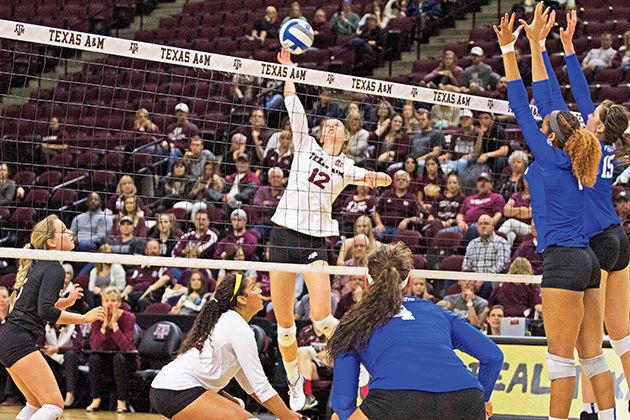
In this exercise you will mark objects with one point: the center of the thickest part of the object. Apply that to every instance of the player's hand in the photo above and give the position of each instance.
(550, 22)
(482, 159)
(539, 22)
(284, 58)
(488, 409)
(505, 32)
(566, 34)
(469, 296)
(76, 293)
(94, 315)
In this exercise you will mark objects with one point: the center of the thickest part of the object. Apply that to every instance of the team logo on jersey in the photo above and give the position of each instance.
(339, 163)
(161, 331)
(312, 255)
(405, 314)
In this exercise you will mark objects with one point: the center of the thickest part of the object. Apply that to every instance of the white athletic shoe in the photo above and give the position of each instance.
(297, 397)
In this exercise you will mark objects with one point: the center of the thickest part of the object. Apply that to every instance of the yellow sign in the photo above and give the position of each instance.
(523, 387)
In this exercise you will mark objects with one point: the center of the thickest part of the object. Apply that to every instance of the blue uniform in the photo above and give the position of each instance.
(393, 356)
(557, 199)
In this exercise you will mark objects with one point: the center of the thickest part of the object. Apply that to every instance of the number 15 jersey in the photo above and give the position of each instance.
(315, 181)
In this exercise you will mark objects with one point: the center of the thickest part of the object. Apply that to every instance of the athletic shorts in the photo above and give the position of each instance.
(169, 402)
(611, 248)
(386, 404)
(289, 246)
(15, 343)
(570, 268)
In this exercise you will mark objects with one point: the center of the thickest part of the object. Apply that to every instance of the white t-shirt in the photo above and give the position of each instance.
(230, 352)
(315, 181)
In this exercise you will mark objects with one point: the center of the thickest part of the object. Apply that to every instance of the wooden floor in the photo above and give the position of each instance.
(8, 413)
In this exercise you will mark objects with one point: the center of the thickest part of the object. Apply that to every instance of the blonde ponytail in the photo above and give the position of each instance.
(585, 152)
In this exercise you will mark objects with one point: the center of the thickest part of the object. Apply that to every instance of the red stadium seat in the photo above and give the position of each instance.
(611, 77)
(63, 197)
(411, 238)
(37, 198)
(8, 280)
(24, 178)
(49, 179)
(446, 240)
(23, 217)
(103, 180)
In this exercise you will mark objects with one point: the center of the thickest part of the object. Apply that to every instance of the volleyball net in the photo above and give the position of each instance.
(186, 131)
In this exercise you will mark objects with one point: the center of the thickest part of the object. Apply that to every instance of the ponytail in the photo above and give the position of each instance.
(585, 152)
(20, 278)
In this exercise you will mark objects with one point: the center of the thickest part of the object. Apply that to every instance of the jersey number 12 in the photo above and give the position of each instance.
(608, 167)
(319, 178)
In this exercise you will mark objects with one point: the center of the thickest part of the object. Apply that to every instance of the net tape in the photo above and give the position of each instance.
(209, 61)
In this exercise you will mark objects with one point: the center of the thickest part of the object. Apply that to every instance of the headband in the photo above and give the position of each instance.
(555, 127)
(237, 285)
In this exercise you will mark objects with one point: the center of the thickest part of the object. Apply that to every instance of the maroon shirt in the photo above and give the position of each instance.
(516, 298)
(181, 134)
(446, 208)
(144, 276)
(527, 250)
(121, 340)
(283, 162)
(428, 186)
(353, 209)
(248, 241)
(203, 242)
(393, 209)
(476, 205)
(345, 303)
(519, 201)
(266, 200)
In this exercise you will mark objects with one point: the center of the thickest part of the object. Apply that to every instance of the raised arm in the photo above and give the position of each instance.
(345, 383)
(579, 85)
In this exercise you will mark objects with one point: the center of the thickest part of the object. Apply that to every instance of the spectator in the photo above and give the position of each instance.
(90, 228)
(447, 73)
(489, 253)
(478, 77)
(282, 156)
(362, 225)
(431, 183)
(410, 165)
(294, 13)
(523, 66)
(393, 9)
(194, 297)
(130, 209)
(512, 182)
(270, 95)
(313, 360)
(124, 242)
(257, 132)
(175, 187)
(165, 234)
(602, 57)
(241, 186)
(461, 150)
(396, 209)
(53, 142)
(105, 275)
(244, 88)
(208, 188)
(303, 306)
(345, 21)
(196, 158)
(357, 145)
(235, 253)
(62, 344)
(183, 277)
(418, 288)
(361, 203)
(323, 108)
(323, 34)
(125, 187)
(266, 27)
(179, 134)
(392, 143)
(622, 58)
(144, 276)
(493, 148)
(272, 143)
(369, 43)
(483, 202)
(527, 250)
(467, 304)
(384, 113)
(445, 116)
(266, 200)
(355, 288)
(446, 206)
(8, 190)
(361, 103)
(518, 212)
(143, 124)
(501, 93)
(360, 244)
(113, 352)
(409, 117)
(239, 234)
(428, 142)
(4, 304)
(495, 315)
(622, 205)
(201, 237)
(518, 299)
(431, 10)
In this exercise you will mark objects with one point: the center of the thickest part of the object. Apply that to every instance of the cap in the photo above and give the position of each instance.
(623, 196)
(476, 51)
(243, 156)
(370, 16)
(240, 213)
(485, 175)
(181, 107)
(465, 112)
(126, 219)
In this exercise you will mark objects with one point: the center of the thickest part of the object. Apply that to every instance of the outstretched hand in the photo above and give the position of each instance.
(538, 24)
(284, 57)
(505, 32)
(550, 22)
(566, 34)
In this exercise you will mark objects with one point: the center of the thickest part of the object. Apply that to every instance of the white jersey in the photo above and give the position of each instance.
(229, 352)
(315, 181)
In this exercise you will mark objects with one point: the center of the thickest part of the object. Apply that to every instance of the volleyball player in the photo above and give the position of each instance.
(220, 346)
(567, 160)
(303, 220)
(35, 302)
(388, 333)
(602, 225)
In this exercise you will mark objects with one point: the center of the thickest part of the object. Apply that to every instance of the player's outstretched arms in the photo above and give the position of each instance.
(284, 58)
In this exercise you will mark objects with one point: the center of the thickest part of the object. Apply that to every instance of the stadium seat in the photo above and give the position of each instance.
(157, 347)
(445, 240)
(419, 262)
(24, 178)
(63, 197)
(23, 217)
(49, 179)
(617, 94)
(114, 161)
(452, 263)
(37, 198)
(411, 238)
(612, 77)
(8, 280)
(157, 308)
(88, 160)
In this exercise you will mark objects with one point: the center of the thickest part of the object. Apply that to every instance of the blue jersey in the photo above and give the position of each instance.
(557, 198)
(599, 211)
(414, 351)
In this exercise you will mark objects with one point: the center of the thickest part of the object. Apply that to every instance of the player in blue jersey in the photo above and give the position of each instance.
(567, 161)
(386, 332)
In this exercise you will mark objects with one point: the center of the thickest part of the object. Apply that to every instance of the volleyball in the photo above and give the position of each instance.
(296, 35)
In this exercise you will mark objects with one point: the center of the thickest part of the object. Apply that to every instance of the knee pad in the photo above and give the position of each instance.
(594, 366)
(559, 367)
(286, 336)
(622, 346)
(326, 326)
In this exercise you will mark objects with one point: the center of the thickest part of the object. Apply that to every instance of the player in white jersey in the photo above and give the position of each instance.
(220, 346)
(303, 220)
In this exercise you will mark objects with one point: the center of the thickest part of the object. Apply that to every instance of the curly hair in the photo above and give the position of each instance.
(582, 147)
(389, 265)
(615, 119)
